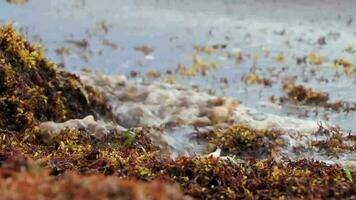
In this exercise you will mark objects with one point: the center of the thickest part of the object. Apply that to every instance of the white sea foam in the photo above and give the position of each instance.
(177, 112)
(96, 128)
(136, 105)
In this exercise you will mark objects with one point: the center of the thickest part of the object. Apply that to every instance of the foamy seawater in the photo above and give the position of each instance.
(178, 113)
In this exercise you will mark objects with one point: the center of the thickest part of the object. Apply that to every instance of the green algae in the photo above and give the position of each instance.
(348, 173)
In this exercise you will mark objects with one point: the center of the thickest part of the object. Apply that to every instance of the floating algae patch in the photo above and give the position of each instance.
(17, 1)
(345, 65)
(33, 89)
(298, 94)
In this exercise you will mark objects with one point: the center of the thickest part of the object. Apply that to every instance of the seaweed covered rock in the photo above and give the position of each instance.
(33, 89)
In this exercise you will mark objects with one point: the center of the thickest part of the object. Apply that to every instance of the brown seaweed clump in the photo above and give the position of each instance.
(335, 142)
(300, 94)
(244, 141)
(33, 89)
(211, 178)
(345, 65)
(253, 79)
(131, 155)
(341, 105)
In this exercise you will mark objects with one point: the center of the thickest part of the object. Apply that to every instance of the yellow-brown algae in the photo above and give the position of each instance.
(34, 90)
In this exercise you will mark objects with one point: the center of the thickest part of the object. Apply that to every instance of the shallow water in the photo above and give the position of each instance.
(269, 35)
(177, 124)
(172, 27)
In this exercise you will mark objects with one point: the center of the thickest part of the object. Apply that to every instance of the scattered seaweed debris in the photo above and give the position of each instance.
(341, 105)
(335, 142)
(33, 89)
(253, 79)
(300, 94)
(315, 59)
(17, 1)
(209, 49)
(245, 142)
(145, 50)
(198, 67)
(82, 44)
(346, 65)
